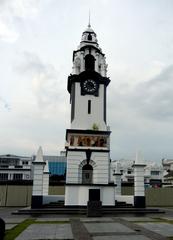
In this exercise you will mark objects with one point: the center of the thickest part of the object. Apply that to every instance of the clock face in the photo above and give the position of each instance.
(89, 86)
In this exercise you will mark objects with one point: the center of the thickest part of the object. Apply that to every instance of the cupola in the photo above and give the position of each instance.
(89, 35)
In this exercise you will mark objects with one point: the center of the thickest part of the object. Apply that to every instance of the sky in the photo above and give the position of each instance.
(37, 40)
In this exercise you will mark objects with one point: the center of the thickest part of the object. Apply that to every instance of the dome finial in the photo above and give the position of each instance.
(89, 25)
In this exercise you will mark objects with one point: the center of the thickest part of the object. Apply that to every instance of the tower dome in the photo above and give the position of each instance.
(89, 35)
(89, 56)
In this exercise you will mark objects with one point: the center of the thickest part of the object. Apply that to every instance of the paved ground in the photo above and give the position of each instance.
(47, 231)
(156, 226)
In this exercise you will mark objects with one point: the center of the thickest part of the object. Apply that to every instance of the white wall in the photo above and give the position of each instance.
(37, 189)
(139, 181)
(100, 169)
(83, 120)
(125, 198)
(79, 195)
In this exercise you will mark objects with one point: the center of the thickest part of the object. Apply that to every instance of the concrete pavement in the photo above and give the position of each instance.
(82, 228)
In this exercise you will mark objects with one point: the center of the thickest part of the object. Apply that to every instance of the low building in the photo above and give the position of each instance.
(168, 167)
(57, 164)
(153, 172)
(13, 167)
(167, 164)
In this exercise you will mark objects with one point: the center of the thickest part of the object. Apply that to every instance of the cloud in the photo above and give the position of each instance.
(18, 8)
(46, 84)
(40, 108)
(154, 98)
(7, 34)
(141, 116)
(12, 10)
(4, 104)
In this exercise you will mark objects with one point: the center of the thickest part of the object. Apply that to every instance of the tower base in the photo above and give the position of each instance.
(139, 201)
(78, 194)
(37, 202)
(94, 209)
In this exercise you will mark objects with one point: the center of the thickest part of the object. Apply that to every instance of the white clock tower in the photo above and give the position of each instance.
(87, 141)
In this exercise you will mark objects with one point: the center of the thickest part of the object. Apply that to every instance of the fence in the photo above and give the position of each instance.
(20, 195)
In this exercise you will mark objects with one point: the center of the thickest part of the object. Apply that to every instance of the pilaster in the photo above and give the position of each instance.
(139, 191)
(37, 190)
(117, 180)
(46, 179)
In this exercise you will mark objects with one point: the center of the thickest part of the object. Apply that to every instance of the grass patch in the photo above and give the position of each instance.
(156, 220)
(13, 233)
(164, 220)
(150, 221)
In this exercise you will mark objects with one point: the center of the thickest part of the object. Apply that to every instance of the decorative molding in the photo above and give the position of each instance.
(89, 131)
(84, 150)
(86, 47)
(92, 184)
(84, 162)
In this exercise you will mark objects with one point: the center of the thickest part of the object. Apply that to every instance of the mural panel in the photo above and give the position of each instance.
(87, 141)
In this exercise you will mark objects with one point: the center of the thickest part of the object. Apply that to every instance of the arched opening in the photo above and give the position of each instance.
(87, 174)
(89, 37)
(89, 63)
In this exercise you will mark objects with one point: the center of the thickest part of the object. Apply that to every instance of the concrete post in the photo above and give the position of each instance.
(139, 191)
(117, 180)
(46, 180)
(37, 190)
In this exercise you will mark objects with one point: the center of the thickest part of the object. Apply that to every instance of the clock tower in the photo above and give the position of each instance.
(87, 141)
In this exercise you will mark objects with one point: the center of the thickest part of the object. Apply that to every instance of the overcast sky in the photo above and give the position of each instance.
(37, 39)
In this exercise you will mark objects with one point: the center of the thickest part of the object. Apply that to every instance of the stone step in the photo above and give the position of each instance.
(58, 204)
(83, 210)
(122, 204)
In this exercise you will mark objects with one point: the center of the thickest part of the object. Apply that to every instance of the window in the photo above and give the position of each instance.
(156, 173)
(57, 168)
(89, 37)
(25, 162)
(89, 63)
(4, 166)
(18, 166)
(87, 174)
(89, 106)
(17, 176)
(3, 176)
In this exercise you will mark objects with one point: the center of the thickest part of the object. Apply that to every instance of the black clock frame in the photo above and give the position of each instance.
(84, 76)
(87, 91)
